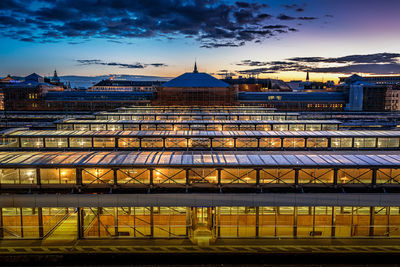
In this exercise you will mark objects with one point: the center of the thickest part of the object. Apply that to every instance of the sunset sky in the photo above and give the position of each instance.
(277, 39)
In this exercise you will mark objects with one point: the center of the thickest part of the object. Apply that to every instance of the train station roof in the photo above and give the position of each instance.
(76, 121)
(203, 134)
(270, 159)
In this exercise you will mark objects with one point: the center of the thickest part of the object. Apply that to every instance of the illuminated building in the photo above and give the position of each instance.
(125, 86)
(196, 89)
(175, 179)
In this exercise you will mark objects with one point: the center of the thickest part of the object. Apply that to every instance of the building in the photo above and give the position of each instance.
(190, 179)
(257, 85)
(366, 96)
(295, 101)
(376, 79)
(28, 94)
(392, 98)
(196, 89)
(94, 100)
(112, 85)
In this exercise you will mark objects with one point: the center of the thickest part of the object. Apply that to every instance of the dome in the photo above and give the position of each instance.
(195, 79)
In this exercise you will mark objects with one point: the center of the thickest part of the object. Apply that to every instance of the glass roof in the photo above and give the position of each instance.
(198, 114)
(362, 159)
(216, 134)
(198, 121)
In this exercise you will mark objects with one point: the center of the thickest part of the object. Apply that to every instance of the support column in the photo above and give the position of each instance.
(257, 177)
(163, 143)
(295, 223)
(79, 176)
(80, 222)
(38, 180)
(1, 224)
(388, 221)
(373, 180)
(219, 177)
(40, 220)
(187, 177)
(151, 221)
(151, 177)
(305, 142)
(282, 148)
(21, 222)
(116, 231)
(335, 176)
(116, 145)
(296, 176)
(329, 142)
(257, 221)
(333, 222)
(371, 220)
(234, 144)
(115, 176)
(258, 143)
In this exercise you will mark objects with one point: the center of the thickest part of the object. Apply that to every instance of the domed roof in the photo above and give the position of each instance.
(195, 79)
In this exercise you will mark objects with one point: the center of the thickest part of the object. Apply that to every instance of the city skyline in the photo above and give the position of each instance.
(273, 39)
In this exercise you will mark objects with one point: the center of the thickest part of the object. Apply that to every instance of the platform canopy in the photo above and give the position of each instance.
(281, 159)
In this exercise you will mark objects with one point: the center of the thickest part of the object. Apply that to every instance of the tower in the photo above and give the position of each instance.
(195, 68)
(55, 77)
(308, 76)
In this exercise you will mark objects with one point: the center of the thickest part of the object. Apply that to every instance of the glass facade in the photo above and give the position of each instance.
(183, 222)
(208, 175)
(143, 171)
(160, 140)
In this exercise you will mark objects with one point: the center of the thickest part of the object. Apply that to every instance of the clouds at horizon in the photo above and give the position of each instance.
(136, 65)
(379, 63)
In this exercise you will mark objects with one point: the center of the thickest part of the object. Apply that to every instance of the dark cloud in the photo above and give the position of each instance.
(307, 18)
(212, 23)
(294, 7)
(390, 68)
(285, 17)
(29, 40)
(217, 45)
(380, 63)
(275, 27)
(117, 64)
(370, 58)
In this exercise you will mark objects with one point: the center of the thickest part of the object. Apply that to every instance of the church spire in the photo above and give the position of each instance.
(195, 68)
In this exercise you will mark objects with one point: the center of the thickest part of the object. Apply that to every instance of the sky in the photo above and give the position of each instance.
(163, 38)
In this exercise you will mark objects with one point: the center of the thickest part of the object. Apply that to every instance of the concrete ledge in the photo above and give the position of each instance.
(197, 199)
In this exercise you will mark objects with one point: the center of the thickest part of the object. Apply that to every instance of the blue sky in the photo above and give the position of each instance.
(280, 39)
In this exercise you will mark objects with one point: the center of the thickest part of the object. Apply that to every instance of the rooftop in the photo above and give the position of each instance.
(211, 134)
(195, 79)
(270, 159)
(127, 83)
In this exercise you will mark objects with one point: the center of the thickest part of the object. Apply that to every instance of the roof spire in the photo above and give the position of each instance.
(195, 67)
(308, 76)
